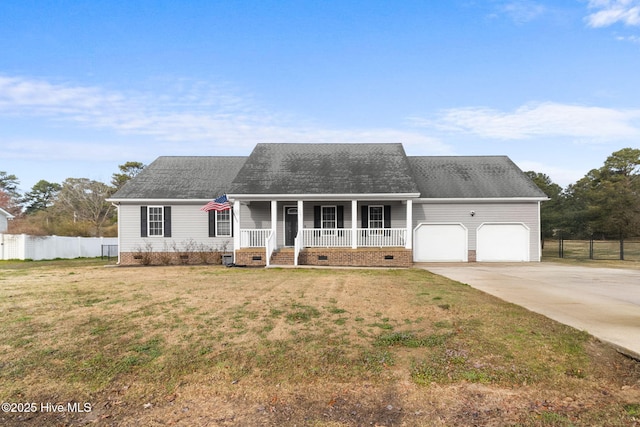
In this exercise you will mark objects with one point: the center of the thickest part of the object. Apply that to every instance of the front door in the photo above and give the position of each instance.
(290, 225)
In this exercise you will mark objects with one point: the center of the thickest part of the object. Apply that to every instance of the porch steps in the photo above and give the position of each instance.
(283, 256)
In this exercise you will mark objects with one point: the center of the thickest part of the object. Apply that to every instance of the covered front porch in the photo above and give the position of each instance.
(323, 232)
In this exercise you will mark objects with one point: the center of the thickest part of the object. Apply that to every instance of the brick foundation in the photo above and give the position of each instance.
(170, 258)
(361, 257)
(251, 257)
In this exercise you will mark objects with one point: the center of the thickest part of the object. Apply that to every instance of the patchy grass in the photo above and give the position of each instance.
(282, 347)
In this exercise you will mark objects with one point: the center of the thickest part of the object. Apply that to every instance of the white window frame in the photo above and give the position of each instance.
(219, 221)
(329, 230)
(380, 221)
(152, 213)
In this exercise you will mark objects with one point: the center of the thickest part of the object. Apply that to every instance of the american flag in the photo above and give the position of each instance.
(219, 204)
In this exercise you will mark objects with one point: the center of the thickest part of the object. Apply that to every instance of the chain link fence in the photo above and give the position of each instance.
(566, 246)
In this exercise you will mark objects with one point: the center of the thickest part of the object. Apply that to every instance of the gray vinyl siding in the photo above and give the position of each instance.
(398, 213)
(256, 215)
(520, 212)
(188, 223)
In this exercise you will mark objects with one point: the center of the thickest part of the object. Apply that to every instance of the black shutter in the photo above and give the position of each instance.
(364, 216)
(212, 223)
(143, 221)
(340, 216)
(387, 216)
(167, 221)
(317, 217)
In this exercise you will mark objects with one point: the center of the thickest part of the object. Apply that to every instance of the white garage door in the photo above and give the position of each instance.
(503, 242)
(440, 243)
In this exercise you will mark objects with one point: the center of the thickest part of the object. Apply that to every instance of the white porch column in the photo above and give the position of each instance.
(354, 224)
(408, 242)
(300, 218)
(236, 227)
(274, 218)
(299, 239)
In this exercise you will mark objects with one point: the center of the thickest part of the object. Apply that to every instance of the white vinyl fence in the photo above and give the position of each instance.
(22, 246)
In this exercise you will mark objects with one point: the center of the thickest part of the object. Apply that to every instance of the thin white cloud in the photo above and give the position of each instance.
(198, 113)
(172, 117)
(580, 123)
(609, 12)
(67, 150)
(522, 11)
(632, 39)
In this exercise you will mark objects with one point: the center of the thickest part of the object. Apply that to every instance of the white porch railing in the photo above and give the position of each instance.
(365, 237)
(256, 238)
(324, 238)
(381, 237)
(270, 246)
(318, 238)
(297, 247)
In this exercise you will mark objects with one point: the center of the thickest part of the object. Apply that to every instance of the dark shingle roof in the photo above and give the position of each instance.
(325, 169)
(196, 177)
(330, 169)
(471, 177)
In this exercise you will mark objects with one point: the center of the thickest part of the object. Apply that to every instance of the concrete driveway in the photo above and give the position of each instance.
(602, 301)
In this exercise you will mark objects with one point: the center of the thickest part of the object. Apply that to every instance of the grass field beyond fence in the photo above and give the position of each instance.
(219, 346)
(601, 249)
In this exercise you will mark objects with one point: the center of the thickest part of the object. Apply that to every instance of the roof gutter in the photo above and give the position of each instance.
(165, 201)
(342, 196)
(6, 214)
(360, 196)
(480, 199)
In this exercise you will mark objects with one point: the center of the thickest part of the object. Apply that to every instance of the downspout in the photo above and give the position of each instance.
(117, 206)
(540, 233)
(236, 228)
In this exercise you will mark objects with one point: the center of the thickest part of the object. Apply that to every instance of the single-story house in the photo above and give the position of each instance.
(4, 223)
(332, 204)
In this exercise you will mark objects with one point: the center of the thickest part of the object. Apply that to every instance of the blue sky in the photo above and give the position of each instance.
(88, 85)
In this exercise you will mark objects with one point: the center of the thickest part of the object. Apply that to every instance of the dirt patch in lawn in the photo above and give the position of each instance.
(216, 346)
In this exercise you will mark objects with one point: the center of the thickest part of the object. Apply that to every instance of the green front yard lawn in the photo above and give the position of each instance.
(319, 347)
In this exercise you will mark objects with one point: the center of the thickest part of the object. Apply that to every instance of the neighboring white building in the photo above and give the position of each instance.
(4, 220)
(334, 204)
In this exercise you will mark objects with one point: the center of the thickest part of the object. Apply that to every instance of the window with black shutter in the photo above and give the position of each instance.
(220, 223)
(375, 216)
(155, 221)
(328, 218)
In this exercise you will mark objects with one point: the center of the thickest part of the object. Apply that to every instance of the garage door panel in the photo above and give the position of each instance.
(503, 243)
(440, 243)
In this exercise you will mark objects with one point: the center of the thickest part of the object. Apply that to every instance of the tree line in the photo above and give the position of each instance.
(605, 203)
(76, 207)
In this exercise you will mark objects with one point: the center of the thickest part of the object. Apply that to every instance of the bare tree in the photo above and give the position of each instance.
(83, 199)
